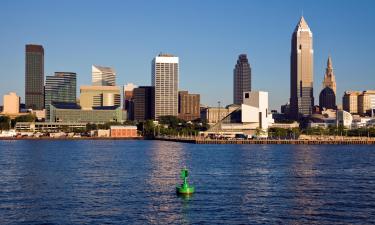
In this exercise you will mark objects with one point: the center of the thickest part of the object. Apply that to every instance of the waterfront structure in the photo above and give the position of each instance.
(188, 106)
(99, 96)
(350, 101)
(103, 76)
(11, 104)
(329, 76)
(123, 131)
(252, 118)
(241, 79)
(143, 100)
(47, 126)
(301, 71)
(327, 99)
(128, 104)
(366, 102)
(68, 113)
(214, 114)
(34, 77)
(60, 88)
(165, 75)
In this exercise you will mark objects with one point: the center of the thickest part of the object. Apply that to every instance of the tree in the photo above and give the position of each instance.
(4, 123)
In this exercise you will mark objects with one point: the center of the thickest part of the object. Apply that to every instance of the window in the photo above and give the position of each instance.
(246, 95)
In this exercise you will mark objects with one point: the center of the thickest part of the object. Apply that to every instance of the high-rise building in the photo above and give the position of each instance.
(99, 96)
(350, 101)
(329, 77)
(241, 79)
(103, 76)
(301, 71)
(11, 104)
(327, 99)
(366, 102)
(128, 104)
(165, 80)
(143, 100)
(34, 77)
(60, 88)
(188, 106)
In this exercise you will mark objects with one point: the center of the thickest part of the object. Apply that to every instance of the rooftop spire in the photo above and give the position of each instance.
(302, 24)
(329, 62)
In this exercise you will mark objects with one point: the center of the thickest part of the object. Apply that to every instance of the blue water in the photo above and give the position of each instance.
(133, 182)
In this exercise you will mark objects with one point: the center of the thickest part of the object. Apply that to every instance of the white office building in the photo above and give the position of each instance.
(165, 72)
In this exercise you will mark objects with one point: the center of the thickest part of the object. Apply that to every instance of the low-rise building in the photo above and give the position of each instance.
(251, 118)
(123, 131)
(214, 114)
(68, 113)
(344, 118)
(47, 126)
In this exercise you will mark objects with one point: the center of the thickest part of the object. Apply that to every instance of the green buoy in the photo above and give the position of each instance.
(185, 189)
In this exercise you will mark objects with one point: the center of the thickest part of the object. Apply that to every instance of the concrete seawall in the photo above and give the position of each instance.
(364, 141)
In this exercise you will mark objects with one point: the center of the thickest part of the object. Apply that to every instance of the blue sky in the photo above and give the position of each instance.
(207, 35)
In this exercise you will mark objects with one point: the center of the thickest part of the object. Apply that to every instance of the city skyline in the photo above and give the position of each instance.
(333, 35)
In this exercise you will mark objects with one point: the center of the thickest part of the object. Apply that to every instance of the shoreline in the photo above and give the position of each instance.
(339, 141)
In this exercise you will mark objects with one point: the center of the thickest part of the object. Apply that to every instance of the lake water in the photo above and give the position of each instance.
(133, 182)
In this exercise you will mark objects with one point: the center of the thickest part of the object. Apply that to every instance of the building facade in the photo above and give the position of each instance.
(301, 69)
(123, 131)
(103, 76)
(34, 77)
(128, 104)
(165, 70)
(214, 114)
(241, 79)
(74, 114)
(143, 100)
(99, 96)
(366, 102)
(11, 104)
(327, 99)
(60, 88)
(350, 101)
(188, 106)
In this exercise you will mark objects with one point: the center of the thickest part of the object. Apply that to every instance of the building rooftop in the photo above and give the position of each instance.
(99, 88)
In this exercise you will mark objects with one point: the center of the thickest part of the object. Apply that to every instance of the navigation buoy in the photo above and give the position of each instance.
(185, 189)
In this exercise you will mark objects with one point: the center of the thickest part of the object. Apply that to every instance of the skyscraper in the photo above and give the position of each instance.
(143, 99)
(329, 77)
(103, 76)
(301, 71)
(34, 77)
(165, 80)
(60, 88)
(241, 79)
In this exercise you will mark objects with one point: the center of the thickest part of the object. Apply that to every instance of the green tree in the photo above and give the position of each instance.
(4, 123)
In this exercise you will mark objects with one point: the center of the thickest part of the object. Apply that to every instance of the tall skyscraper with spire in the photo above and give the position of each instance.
(301, 71)
(329, 77)
(241, 79)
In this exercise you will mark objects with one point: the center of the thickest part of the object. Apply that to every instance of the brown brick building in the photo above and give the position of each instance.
(188, 106)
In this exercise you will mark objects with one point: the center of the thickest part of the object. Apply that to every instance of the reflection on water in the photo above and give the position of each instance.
(167, 160)
(133, 182)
